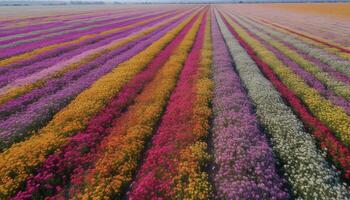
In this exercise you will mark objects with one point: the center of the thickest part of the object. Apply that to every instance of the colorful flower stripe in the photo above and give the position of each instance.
(27, 29)
(113, 170)
(48, 28)
(39, 24)
(34, 55)
(18, 162)
(71, 21)
(182, 102)
(58, 93)
(21, 49)
(158, 173)
(329, 62)
(24, 19)
(323, 26)
(245, 167)
(325, 54)
(88, 23)
(314, 38)
(66, 18)
(10, 75)
(17, 73)
(24, 22)
(49, 38)
(309, 78)
(325, 78)
(192, 180)
(69, 161)
(339, 154)
(337, 151)
(52, 61)
(39, 60)
(61, 36)
(334, 117)
(68, 37)
(309, 176)
(38, 79)
(337, 52)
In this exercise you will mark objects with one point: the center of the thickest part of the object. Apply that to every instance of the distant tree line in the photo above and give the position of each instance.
(86, 2)
(99, 2)
(228, 1)
(48, 3)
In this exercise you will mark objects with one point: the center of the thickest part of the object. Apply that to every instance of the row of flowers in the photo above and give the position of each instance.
(81, 56)
(19, 161)
(14, 27)
(332, 63)
(338, 87)
(26, 23)
(39, 79)
(329, 45)
(304, 167)
(56, 31)
(38, 107)
(309, 78)
(121, 151)
(332, 116)
(37, 42)
(338, 153)
(244, 165)
(67, 164)
(160, 170)
(310, 48)
(192, 181)
(49, 51)
(10, 75)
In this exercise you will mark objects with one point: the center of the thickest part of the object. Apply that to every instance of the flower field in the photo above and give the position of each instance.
(175, 102)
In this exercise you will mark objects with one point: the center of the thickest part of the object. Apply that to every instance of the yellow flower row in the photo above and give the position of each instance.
(307, 40)
(123, 147)
(18, 162)
(17, 91)
(192, 181)
(339, 88)
(35, 52)
(333, 116)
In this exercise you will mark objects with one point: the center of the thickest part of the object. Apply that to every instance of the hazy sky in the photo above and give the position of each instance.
(180, 0)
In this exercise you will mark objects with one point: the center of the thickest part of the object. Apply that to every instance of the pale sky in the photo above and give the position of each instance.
(177, 0)
(185, 1)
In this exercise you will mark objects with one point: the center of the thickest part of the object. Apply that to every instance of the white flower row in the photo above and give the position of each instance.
(309, 175)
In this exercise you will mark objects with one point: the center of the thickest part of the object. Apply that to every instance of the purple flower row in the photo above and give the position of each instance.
(244, 164)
